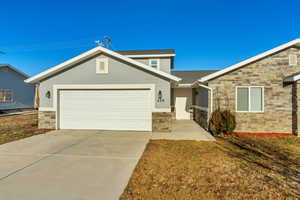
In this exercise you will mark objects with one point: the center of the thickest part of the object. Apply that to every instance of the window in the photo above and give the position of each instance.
(5, 95)
(292, 60)
(102, 65)
(249, 99)
(154, 63)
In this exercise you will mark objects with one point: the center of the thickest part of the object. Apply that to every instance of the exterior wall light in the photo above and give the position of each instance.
(160, 97)
(48, 94)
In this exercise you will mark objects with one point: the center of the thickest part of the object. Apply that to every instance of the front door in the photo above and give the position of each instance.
(181, 108)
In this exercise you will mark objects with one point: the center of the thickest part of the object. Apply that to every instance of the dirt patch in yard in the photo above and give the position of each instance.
(232, 168)
(18, 120)
(18, 127)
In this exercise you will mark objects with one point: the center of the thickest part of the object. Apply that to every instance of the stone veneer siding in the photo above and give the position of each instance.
(161, 121)
(201, 116)
(46, 119)
(280, 110)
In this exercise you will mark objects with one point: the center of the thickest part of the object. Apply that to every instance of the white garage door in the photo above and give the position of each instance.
(105, 109)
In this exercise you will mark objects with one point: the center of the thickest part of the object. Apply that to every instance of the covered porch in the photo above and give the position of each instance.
(189, 98)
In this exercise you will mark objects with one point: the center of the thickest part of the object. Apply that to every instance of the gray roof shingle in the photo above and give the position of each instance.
(147, 52)
(189, 77)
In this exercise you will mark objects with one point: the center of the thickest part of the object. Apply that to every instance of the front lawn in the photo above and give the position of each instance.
(18, 127)
(235, 168)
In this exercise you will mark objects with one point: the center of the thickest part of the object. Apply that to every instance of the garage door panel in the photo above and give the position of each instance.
(105, 109)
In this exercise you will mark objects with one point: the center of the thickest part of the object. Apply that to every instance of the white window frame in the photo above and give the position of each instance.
(249, 100)
(158, 63)
(105, 60)
(5, 101)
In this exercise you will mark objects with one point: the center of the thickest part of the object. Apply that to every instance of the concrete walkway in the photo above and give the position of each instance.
(69, 165)
(184, 130)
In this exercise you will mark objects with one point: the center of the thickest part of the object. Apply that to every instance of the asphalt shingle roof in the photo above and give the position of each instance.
(189, 77)
(147, 52)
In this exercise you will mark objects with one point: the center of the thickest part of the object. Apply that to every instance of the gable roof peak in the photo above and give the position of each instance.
(295, 42)
(14, 69)
(92, 53)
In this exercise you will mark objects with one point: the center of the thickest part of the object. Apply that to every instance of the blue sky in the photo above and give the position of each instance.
(208, 34)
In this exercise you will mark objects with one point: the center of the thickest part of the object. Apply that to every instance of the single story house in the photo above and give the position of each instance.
(138, 90)
(14, 93)
(263, 91)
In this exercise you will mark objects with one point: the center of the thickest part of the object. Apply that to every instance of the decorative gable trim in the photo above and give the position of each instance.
(101, 65)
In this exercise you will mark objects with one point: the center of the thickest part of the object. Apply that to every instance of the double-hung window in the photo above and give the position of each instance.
(154, 63)
(249, 99)
(5, 95)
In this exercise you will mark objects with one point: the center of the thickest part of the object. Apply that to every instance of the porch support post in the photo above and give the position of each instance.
(294, 108)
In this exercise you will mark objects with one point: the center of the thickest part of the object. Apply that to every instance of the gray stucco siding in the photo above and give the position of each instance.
(119, 72)
(165, 63)
(22, 93)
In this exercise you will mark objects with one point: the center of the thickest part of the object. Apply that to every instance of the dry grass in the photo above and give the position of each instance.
(18, 127)
(235, 168)
(18, 120)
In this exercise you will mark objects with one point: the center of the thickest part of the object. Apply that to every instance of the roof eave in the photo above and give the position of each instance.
(91, 53)
(250, 60)
(15, 69)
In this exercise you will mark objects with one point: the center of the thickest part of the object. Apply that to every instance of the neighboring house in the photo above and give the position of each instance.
(104, 89)
(263, 91)
(14, 93)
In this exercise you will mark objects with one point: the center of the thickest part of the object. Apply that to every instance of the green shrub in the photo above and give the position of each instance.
(222, 122)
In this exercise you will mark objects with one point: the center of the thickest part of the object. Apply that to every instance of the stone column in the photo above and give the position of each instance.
(296, 107)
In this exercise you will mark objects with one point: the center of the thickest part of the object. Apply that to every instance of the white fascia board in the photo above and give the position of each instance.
(184, 85)
(62, 66)
(295, 78)
(91, 53)
(250, 60)
(151, 56)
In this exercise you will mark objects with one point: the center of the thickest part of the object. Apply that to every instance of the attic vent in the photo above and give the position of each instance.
(102, 65)
(293, 60)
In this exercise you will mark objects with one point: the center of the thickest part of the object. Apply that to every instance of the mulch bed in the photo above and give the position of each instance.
(265, 135)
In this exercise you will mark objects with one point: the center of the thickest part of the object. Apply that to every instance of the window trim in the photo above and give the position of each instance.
(105, 60)
(249, 107)
(291, 57)
(11, 99)
(158, 63)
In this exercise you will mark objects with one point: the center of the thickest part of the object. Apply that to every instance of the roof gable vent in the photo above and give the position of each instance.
(293, 60)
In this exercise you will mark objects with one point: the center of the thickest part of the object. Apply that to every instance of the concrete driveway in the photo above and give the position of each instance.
(68, 165)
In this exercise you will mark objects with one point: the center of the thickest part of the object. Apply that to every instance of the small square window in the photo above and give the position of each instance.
(154, 63)
(102, 65)
(5, 95)
(293, 60)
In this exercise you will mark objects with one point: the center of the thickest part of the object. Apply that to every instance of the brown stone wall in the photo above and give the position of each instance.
(201, 116)
(161, 121)
(46, 119)
(278, 103)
